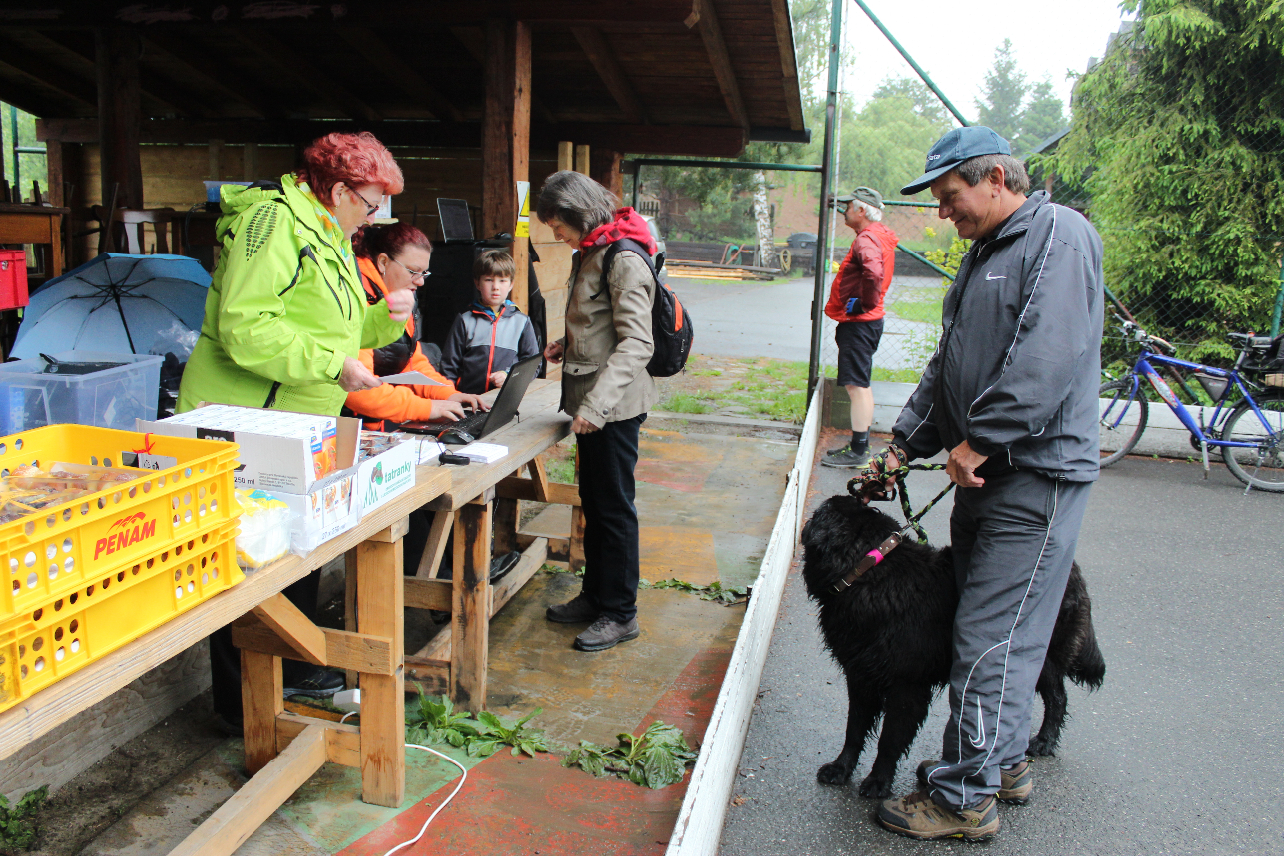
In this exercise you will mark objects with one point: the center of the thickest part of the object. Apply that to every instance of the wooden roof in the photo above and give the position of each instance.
(697, 77)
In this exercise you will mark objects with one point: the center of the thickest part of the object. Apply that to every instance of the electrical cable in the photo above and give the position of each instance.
(346, 715)
(424, 828)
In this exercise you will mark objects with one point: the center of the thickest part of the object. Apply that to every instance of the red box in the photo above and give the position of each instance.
(13, 279)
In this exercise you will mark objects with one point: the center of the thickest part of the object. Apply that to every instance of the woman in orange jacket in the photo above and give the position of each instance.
(391, 258)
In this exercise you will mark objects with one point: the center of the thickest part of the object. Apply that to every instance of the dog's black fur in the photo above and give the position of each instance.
(891, 634)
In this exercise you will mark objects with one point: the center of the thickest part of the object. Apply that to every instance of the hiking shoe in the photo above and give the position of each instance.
(845, 457)
(314, 682)
(580, 609)
(607, 633)
(1016, 783)
(919, 816)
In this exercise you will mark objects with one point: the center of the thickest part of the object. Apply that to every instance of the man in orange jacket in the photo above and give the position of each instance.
(856, 303)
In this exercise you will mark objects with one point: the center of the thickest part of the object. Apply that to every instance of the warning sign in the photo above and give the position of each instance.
(523, 229)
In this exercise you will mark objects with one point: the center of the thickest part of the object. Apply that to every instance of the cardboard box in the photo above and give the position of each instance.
(281, 452)
(385, 476)
(328, 510)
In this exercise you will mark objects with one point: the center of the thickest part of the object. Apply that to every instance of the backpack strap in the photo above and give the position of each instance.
(623, 245)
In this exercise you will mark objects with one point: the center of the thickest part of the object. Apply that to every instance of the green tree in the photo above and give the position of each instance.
(1178, 137)
(999, 107)
(1043, 116)
(882, 145)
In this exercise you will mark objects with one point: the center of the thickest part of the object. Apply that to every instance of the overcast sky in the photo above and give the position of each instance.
(955, 42)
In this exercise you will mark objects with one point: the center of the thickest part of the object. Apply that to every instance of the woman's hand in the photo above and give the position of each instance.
(580, 425)
(356, 377)
(553, 352)
(447, 409)
(401, 304)
(467, 399)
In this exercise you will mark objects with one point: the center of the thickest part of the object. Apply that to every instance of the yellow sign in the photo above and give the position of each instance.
(523, 229)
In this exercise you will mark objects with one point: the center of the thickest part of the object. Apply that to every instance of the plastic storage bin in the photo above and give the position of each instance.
(49, 642)
(64, 548)
(13, 279)
(110, 398)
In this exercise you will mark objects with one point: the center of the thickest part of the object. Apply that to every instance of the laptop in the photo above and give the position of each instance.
(482, 423)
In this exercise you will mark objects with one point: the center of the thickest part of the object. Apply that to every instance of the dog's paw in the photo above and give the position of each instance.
(1042, 746)
(833, 773)
(876, 788)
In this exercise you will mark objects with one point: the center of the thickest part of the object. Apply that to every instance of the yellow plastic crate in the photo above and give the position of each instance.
(68, 633)
(64, 548)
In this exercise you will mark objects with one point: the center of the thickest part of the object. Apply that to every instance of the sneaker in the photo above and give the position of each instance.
(845, 457)
(315, 682)
(581, 609)
(1016, 783)
(919, 816)
(607, 633)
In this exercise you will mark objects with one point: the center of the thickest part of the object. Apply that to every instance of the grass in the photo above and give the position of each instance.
(924, 311)
(682, 402)
(897, 375)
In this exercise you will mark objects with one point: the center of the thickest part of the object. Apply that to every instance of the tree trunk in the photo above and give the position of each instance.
(762, 214)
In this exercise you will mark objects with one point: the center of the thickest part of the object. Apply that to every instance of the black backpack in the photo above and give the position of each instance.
(671, 329)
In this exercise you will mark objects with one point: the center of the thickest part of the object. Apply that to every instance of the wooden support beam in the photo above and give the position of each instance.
(582, 159)
(432, 675)
(428, 594)
(435, 548)
(212, 71)
(261, 703)
(359, 652)
(605, 59)
(342, 741)
(788, 63)
(565, 155)
(235, 821)
(294, 628)
(393, 533)
(559, 549)
(539, 477)
(294, 66)
(470, 608)
(380, 608)
(519, 488)
(504, 531)
(605, 170)
(506, 135)
(119, 112)
(26, 63)
(575, 559)
(532, 560)
(380, 55)
(705, 19)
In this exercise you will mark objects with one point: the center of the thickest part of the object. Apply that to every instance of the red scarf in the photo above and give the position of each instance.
(627, 224)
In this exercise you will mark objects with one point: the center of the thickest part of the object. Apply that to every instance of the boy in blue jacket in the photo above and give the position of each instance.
(492, 334)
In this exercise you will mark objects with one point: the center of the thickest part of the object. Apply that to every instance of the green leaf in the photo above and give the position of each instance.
(660, 767)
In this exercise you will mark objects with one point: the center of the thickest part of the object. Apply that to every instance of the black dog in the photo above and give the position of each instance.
(891, 634)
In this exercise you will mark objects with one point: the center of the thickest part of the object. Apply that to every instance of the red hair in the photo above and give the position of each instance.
(370, 241)
(354, 159)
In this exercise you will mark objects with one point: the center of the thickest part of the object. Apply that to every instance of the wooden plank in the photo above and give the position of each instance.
(705, 19)
(605, 60)
(291, 65)
(430, 674)
(605, 165)
(428, 594)
(393, 533)
(235, 821)
(532, 560)
(380, 55)
(342, 741)
(470, 610)
(350, 607)
(293, 628)
(559, 549)
(539, 476)
(556, 493)
(565, 155)
(430, 562)
(582, 159)
(506, 134)
(360, 652)
(261, 702)
(438, 647)
(380, 611)
(575, 557)
(119, 115)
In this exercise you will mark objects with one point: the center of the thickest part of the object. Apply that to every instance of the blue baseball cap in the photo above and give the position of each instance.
(954, 148)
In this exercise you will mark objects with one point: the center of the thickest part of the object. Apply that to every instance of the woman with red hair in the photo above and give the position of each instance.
(286, 314)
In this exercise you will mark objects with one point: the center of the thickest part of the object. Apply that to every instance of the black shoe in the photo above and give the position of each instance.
(607, 633)
(501, 565)
(845, 457)
(579, 610)
(315, 682)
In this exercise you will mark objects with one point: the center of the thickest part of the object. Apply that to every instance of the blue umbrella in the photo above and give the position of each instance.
(115, 303)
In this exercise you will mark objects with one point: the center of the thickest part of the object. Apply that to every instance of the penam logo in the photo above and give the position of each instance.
(132, 529)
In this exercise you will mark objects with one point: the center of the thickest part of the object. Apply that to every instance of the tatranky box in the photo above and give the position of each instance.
(281, 452)
(386, 475)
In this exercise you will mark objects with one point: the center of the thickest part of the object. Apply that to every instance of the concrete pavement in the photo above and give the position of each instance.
(1179, 753)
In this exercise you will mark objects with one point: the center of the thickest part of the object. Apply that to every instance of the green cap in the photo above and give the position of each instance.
(868, 195)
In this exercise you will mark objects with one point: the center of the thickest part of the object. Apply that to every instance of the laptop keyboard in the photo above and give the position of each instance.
(471, 424)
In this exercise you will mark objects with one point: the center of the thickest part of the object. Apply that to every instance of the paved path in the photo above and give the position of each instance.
(750, 319)
(1179, 753)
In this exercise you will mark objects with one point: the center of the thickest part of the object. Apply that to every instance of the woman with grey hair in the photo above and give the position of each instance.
(607, 391)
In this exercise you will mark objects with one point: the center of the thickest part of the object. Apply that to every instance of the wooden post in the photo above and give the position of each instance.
(261, 701)
(506, 134)
(380, 599)
(470, 607)
(606, 170)
(582, 159)
(119, 109)
(565, 155)
(350, 574)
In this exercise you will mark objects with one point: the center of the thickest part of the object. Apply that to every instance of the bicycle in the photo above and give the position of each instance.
(1251, 438)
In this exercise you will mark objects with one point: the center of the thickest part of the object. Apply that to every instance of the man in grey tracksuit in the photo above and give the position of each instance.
(1011, 392)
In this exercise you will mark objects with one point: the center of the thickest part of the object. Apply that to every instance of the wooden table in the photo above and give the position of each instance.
(282, 750)
(35, 224)
(481, 507)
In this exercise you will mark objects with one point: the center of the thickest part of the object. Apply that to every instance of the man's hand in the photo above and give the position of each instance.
(962, 464)
(497, 379)
(883, 463)
(553, 352)
(582, 426)
(467, 399)
(401, 303)
(356, 377)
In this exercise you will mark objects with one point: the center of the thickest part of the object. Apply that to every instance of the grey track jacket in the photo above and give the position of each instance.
(1018, 366)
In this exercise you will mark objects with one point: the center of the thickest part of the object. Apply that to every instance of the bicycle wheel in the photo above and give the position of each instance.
(1122, 420)
(1261, 466)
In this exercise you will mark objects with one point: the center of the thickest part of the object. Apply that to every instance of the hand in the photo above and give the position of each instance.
(497, 379)
(580, 425)
(883, 463)
(961, 464)
(356, 377)
(447, 409)
(401, 304)
(553, 352)
(467, 399)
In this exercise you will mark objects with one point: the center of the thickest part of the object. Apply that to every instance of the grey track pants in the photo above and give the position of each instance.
(1013, 542)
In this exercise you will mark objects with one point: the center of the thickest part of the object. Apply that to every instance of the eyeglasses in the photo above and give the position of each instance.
(420, 275)
(370, 209)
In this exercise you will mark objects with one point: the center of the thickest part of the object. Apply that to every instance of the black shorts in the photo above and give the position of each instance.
(857, 342)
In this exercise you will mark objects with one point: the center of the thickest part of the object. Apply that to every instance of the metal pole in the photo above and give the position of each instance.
(826, 188)
(637, 174)
(1279, 304)
(917, 68)
(17, 174)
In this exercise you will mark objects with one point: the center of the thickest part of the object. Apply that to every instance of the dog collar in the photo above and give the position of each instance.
(869, 560)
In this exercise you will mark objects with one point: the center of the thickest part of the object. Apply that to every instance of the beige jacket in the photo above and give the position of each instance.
(608, 340)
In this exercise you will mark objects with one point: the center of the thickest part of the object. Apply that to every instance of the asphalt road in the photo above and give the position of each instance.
(1179, 753)
(749, 319)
